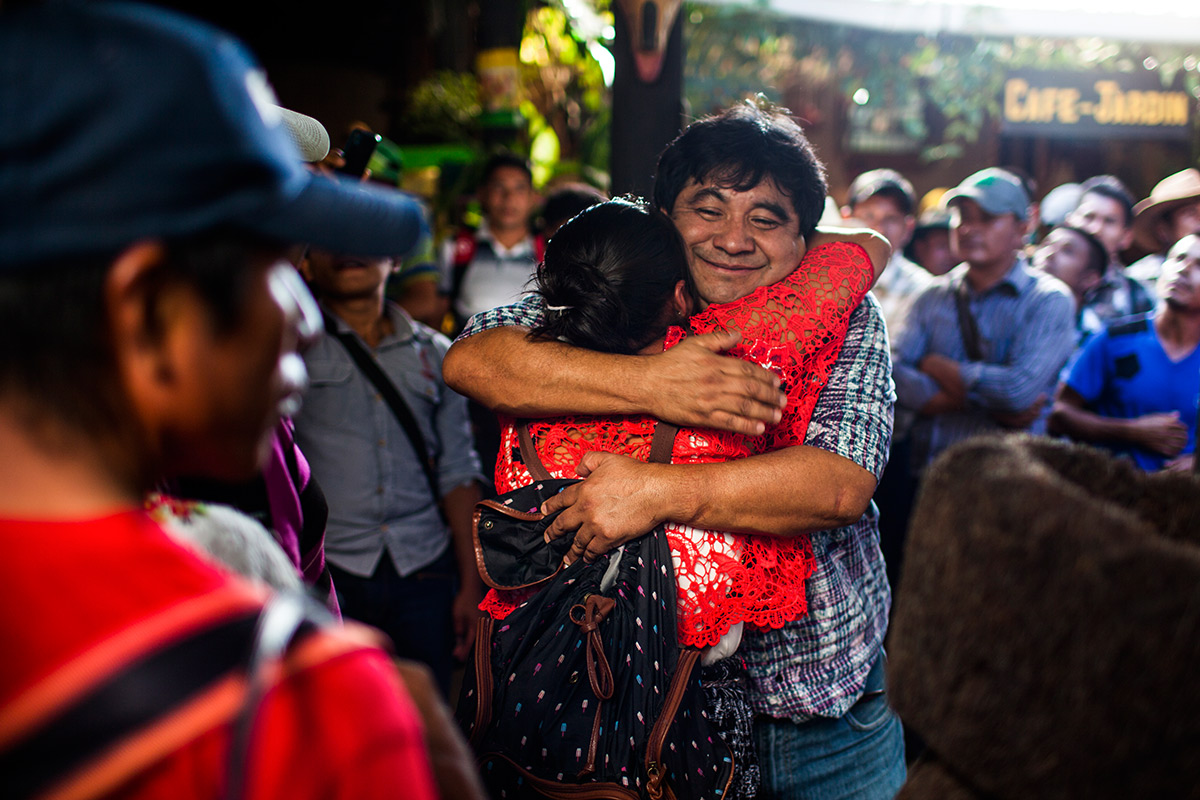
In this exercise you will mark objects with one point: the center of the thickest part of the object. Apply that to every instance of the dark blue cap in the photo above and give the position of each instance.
(121, 122)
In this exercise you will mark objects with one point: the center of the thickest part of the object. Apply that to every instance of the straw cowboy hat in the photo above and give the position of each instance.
(1168, 194)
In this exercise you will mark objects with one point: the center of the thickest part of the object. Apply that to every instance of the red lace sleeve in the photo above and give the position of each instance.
(796, 327)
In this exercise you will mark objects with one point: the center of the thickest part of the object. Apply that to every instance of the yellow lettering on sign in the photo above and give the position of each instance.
(1176, 110)
(1068, 106)
(1152, 108)
(1049, 104)
(1014, 94)
(1110, 93)
(1024, 103)
(1132, 108)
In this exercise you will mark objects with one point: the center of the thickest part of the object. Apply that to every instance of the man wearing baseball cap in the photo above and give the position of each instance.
(985, 342)
(1171, 212)
(148, 328)
(884, 201)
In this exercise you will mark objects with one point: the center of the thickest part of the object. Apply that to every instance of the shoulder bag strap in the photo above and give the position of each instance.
(966, 322)
(529, 453)
(662, 443)
(286, 618)
(375, 374)
(660, 448)
(143, 693)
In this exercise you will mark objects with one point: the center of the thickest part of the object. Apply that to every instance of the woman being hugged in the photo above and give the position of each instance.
(616, 279)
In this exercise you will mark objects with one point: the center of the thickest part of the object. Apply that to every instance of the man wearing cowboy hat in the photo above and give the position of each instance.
(1171, 212)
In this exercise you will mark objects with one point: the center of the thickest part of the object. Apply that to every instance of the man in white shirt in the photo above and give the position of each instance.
(883, 200)
(491, 266)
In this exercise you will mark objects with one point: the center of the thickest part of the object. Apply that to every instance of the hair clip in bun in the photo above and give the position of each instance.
(559, 308)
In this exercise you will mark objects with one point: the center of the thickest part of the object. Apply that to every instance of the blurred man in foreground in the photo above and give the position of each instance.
(149, 325)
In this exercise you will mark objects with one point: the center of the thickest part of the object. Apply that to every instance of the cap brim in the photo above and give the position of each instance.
(347, 217)
(980, 198)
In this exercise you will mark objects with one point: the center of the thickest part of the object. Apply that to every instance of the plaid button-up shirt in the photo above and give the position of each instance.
(817, 665)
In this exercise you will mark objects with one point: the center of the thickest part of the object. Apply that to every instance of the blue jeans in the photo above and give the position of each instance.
(414, 612)
(859, 756)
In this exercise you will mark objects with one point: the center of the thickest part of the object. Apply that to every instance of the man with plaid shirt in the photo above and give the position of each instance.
(824, 729)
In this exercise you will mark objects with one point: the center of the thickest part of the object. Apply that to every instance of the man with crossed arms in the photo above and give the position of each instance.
(823, 729)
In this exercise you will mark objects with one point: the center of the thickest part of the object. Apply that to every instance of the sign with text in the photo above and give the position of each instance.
(1088, 105)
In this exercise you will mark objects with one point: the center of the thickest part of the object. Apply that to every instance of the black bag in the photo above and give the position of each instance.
(584, 691)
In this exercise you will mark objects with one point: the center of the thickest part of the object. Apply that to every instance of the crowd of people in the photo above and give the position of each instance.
(244, 456)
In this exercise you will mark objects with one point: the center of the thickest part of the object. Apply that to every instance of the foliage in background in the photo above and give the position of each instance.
(734, 51)
(444, 108)
(566, 103)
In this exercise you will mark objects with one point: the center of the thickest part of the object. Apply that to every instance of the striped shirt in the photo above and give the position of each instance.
(817, 665)
(1026, 330)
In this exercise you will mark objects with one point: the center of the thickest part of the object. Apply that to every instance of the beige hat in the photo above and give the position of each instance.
(1167, 195)
(309, 135)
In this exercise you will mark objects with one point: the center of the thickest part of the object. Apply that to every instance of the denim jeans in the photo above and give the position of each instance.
(859, 756)
(414, 611)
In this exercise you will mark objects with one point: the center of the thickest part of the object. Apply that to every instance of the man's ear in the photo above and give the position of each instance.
(304, 267)
(132, 300)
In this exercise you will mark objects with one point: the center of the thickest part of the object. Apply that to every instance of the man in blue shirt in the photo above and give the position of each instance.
(1134, 387)
(984, 343)
(398, 562)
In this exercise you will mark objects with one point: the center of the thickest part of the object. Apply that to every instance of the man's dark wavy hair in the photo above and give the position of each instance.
(739, 149)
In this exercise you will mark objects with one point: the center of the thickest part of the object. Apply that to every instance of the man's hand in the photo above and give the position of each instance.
(1161, 433)
(464, 613)
(689, 385)
(945, 371)
(618, 501)
(1185, 463)
(694, 386)
(1020, 420)
(942, 403)
(459, 505)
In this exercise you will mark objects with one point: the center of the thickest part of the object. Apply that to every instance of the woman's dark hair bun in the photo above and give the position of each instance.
(609, 276)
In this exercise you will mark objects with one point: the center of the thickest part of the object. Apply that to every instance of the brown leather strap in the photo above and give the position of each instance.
(689, 657)
(660, 448)
(557, 790)
(589, 766)
(529, 453)
(967, 324)
(662, 443)
(588, 615)
(483, 676)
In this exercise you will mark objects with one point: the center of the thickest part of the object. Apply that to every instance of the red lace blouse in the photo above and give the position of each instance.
(794, 327)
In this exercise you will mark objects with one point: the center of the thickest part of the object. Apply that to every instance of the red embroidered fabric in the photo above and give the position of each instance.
(794, 327)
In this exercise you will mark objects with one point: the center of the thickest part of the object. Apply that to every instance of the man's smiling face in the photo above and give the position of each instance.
(737, 241)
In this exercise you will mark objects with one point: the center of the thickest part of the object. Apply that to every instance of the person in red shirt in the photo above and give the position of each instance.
(149, 324)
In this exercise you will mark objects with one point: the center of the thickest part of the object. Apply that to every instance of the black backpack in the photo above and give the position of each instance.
(584, 691)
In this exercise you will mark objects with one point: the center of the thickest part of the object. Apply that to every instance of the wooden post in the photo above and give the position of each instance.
(646, 116)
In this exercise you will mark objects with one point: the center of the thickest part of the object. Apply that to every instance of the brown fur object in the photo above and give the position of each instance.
(1047, 637)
